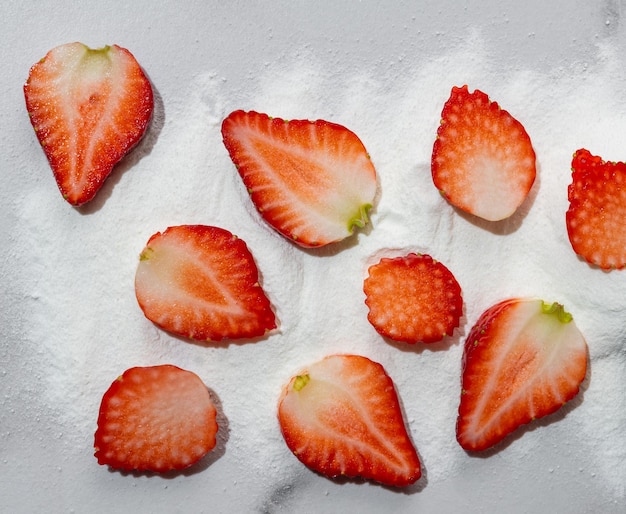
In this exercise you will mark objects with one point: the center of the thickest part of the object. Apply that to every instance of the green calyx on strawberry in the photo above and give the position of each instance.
(483, 161)
(597, 210)
(312, 181)
(157, 418)
(201, 282)
(523, 359)
(341, 417)
(89, 108)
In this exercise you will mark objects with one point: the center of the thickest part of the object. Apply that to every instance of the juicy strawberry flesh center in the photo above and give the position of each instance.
(305, 180)
(85, 90)
(287, 166)
(182, 272)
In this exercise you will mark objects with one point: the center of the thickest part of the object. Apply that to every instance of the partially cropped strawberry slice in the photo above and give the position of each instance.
(312, 181)
(483, 161)
(202, 282)
(524, 359)
(413, 299)
(341, 417)
(158, 418)
(88, 108)
(597, 210)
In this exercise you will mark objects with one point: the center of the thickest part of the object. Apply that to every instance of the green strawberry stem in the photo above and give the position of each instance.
(360, 220)
(300, 382)
(556, 309)
(146, 254)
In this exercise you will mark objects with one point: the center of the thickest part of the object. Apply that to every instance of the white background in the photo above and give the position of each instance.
(70, 324)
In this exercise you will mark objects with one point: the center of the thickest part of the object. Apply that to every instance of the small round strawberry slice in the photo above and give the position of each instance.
(89, 108)
(483, 161)
(413, 299)
(201, 282)
(158, 418)
(523, 359)
(341, 417)
(597, 210)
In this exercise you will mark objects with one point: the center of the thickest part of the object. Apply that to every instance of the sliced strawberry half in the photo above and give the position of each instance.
(524, 359)
(413, 299)
(88, 108)
(483, 161)
(312, 181)
(597, 210)
(202, 282)
(158, 418)
(341, 417)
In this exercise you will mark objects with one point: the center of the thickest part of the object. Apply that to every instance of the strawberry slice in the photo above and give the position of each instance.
(413, 299)
(202, 282)
(341, 417)
(595, 218)
(88, 108)
(524, 359)
(158, 418)
(483, 161)
(313, 182)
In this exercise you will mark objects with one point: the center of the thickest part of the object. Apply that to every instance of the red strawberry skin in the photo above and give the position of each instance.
(342, 418)
(312, 181)
(523, 359)
(158, 418)
(597, 210)
(88, 108)
(201, 282)
(483, 161)
(413, 299)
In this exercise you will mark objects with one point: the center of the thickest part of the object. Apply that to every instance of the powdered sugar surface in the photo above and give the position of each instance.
(71, 323)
